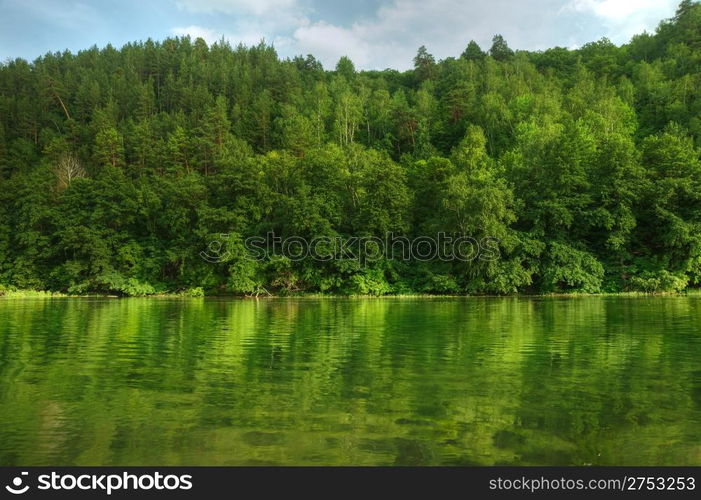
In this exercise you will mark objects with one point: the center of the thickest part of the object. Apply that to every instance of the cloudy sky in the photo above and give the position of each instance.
(376, 34)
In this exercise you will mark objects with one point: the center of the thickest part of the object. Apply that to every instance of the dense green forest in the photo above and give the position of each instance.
(119, 167)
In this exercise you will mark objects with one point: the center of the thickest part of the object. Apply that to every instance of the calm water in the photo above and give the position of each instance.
(361, 382)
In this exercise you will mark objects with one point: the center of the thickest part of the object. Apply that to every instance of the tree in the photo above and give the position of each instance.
(669, 227)
(500, 49)
(216, 134)
(473, 52)
(378, 193)
(109, 148)
(178, 150)
(120, 166)
(296, 131)
(67, 170)
(424, 65)
(260, 118)
(347, 114)
(319, 104)
(688, 23)
(345, 68)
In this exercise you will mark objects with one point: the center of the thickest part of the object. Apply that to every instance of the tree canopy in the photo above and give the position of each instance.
(120, 167)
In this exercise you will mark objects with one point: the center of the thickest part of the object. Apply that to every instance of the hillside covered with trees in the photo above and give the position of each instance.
(118, 167)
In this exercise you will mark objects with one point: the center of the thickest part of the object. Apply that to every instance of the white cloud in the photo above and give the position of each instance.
(247, 35)
(247, 21)
(625, 18)
(390, 36)
(619, 10)
(398, 29)
(328, 43)
(208, 35)
(256, 7)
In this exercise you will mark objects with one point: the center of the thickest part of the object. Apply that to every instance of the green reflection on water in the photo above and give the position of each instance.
(352, 382)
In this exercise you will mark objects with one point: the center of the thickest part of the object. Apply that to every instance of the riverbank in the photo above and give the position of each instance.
(28, 293)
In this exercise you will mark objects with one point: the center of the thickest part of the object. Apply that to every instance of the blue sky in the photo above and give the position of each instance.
(376, 34)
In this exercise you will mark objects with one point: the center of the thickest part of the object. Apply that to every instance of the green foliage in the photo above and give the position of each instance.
(368, 282)
(424, 65)
(473, 52)
(662, 281)
(500, 49)
(193, 292)
(568, 268)
(579, 168)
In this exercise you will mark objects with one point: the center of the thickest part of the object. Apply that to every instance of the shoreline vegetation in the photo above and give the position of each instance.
(121, 169)
(15, 293)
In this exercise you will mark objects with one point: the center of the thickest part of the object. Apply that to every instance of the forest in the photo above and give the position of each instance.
(118, 167)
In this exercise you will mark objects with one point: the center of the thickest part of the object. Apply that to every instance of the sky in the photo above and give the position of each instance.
(375, 34)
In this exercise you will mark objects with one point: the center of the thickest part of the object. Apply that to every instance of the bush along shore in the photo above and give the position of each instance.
(10, 292)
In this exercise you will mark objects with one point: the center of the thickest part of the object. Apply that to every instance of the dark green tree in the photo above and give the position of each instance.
(500, 49)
